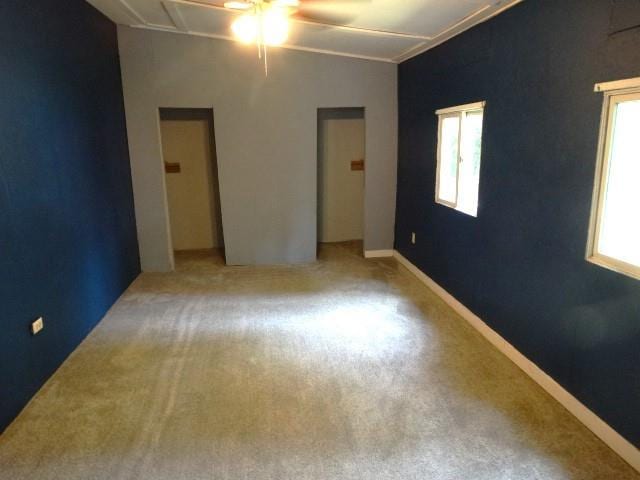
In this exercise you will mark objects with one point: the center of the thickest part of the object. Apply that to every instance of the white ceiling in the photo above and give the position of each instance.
(384, 30)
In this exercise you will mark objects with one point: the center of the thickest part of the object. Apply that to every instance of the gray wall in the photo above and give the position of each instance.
(266, 135)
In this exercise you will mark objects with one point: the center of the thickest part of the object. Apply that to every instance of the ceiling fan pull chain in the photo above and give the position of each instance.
(266, 67)
(257, 12)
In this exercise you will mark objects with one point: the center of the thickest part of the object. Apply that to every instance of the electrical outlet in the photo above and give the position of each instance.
(37, 325)
(413, 238)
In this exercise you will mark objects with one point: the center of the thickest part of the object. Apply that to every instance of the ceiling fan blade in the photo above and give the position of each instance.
(237, 5)
(330, 11)
(329, 19)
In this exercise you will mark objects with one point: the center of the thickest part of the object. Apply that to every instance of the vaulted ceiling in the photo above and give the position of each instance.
(385, 30)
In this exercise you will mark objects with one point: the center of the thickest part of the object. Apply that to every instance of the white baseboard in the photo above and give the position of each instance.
(602, 430)
(378, 253)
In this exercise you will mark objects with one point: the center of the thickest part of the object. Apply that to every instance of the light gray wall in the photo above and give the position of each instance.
(266, 136)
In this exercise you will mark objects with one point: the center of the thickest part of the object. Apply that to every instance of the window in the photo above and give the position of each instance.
(614, 239)
(459, 147)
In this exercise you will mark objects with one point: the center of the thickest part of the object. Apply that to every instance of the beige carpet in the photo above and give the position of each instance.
(345, 369)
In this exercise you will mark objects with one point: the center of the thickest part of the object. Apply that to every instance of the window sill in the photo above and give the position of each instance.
(615, 265)
(454, 207)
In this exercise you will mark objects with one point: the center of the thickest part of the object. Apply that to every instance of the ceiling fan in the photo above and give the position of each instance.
(331, 12)
(266, 22)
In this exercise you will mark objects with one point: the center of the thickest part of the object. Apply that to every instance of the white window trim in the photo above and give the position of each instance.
(443, 113)
(617, 85)
(462, 108)
(613, 91)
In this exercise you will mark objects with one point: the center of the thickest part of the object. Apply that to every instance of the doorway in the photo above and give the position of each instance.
(191, 174)
(341, 164)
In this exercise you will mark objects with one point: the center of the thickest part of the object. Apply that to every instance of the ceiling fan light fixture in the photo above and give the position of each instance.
(265, 23)
(269, 27)
(275, 27)
(245, 28)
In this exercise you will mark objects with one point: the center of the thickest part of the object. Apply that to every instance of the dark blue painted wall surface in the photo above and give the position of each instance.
(521, 265)
(68, 245)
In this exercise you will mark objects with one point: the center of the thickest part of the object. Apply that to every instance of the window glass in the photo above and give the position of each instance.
(449, 138)
(470, 163)
(619, 235)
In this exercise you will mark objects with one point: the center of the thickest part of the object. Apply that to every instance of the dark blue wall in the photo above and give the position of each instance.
(68, 245)
(521, 265)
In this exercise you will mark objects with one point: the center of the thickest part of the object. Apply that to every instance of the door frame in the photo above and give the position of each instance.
(207, 112)
(339, 113)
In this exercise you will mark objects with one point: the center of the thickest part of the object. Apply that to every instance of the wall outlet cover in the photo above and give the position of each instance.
(37, 325)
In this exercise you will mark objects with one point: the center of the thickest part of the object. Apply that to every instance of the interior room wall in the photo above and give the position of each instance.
(192, 193)
(67, 226)
(341, 198)
(520, 265)
(266, 135)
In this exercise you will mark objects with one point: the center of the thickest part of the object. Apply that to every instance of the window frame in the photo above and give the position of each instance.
(614, 94)
(453, 112)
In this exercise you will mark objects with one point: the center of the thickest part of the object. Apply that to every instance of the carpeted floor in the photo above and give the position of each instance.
(344, 369)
